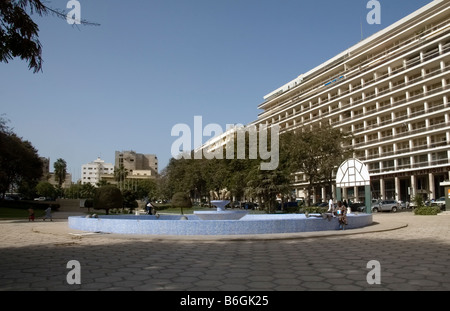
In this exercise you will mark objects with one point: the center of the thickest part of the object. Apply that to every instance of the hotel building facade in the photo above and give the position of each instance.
(392, 91)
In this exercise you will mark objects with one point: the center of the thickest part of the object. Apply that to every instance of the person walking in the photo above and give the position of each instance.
(48, 214)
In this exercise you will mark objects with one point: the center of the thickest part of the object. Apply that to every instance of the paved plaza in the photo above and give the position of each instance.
(413, 253)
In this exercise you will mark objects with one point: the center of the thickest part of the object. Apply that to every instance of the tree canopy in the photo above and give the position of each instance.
(20, 165)
(314, 152)
(19, 34)
(108, 197)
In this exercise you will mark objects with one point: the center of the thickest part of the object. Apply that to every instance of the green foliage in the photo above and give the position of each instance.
(427, 210)
(108, 197)
(129, 199)
(80, 191)
(418, 201)
(19, 34)
(146, 189)
(20, 165)
(89, 203)
(313, 209)
(315, 152)
(45, 189)
(23, 204)
(181, 200)
(60, 167)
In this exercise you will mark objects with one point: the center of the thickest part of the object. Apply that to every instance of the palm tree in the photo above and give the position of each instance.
(60, 167)
(120, 174)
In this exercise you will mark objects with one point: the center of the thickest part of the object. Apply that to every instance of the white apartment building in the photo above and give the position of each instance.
(392, 91)
(93, 171)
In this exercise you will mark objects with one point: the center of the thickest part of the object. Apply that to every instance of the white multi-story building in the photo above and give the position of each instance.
(392, 91)
(93, 171)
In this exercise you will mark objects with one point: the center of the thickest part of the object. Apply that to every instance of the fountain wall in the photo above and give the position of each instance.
(248, 225)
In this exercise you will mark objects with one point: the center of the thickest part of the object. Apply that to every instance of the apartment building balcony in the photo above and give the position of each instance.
(355, 78)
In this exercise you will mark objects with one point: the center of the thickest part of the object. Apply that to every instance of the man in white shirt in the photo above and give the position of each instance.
(331, 206)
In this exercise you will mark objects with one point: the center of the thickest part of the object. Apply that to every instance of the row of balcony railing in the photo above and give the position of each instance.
(408, 65)
(404, 151)
(403, 167)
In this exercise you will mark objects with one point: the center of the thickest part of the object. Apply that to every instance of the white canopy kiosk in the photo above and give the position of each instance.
(354, 173)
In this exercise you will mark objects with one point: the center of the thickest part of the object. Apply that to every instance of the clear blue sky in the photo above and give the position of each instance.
(153, 64)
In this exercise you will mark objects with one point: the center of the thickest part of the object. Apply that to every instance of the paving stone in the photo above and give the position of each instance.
(411, 258)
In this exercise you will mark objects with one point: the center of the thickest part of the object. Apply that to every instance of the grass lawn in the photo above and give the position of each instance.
(15, 213)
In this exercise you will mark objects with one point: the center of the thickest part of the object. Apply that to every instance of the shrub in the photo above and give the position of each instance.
(427, 210)
(36, 205)
(181, 200)
(313, 209)
(108, 197)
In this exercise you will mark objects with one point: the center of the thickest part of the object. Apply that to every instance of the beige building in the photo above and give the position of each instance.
(50, 177)
(137, 164)
(392, 91)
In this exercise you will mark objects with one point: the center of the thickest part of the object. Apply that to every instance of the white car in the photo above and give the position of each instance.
(440, 202)
(386, 206)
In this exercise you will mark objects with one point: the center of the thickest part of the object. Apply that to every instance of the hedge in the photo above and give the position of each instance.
(427, 210)
(36, 205)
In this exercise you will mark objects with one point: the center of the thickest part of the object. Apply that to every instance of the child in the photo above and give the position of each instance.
(30, 214)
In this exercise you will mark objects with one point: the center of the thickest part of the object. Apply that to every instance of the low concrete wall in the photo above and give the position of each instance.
(250, 224)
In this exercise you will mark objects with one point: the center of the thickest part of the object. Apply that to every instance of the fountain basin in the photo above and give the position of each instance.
(220, 215)
(247, 225)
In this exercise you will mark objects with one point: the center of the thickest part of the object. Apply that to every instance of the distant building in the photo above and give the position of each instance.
(137, 164)
(45, 167)
(93, 172)
(66, 184)
(50, 177)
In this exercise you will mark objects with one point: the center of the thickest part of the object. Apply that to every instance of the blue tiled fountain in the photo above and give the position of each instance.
(220, 222)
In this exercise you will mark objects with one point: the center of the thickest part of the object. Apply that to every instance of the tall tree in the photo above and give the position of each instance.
(60, 167)
(20, 164)
(19, 33)
(316, 153)
(120, 175)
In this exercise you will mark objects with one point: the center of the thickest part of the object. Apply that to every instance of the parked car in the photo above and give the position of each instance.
(41, 199)
(357, 207)
(440, 202)
(386, 206)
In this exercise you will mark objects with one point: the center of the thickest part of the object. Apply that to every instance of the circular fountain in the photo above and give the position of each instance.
(221, 222)
(250, 224)
(221, 213)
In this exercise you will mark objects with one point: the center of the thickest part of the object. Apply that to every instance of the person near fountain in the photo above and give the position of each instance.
(149, 208)
(341, 212)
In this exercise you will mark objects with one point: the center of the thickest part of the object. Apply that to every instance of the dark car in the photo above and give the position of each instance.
(357, 207)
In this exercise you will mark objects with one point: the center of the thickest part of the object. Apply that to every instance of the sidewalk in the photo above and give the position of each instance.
(413, 252)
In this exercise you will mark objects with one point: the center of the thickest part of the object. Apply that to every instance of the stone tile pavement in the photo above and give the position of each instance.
(413, 253)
